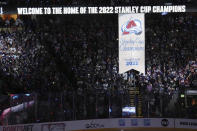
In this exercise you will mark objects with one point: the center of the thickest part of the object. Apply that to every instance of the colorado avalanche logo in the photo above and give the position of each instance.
(132, 26)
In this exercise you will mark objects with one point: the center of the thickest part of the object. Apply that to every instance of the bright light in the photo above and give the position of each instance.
(164, 13)
(128, 109)
(15, 97)
(27, 94)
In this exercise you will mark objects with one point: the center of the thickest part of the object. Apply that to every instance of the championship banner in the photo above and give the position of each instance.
(131, 43)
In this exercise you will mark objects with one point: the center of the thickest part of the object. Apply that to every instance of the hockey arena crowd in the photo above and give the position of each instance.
(68, 65)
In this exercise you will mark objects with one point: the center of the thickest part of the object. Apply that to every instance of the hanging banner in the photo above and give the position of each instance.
(131, 42)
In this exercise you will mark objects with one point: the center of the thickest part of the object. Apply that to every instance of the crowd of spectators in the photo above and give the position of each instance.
(72, 65)
(171, 54)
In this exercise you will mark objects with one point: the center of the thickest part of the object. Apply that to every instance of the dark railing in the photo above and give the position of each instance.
(89, 104)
